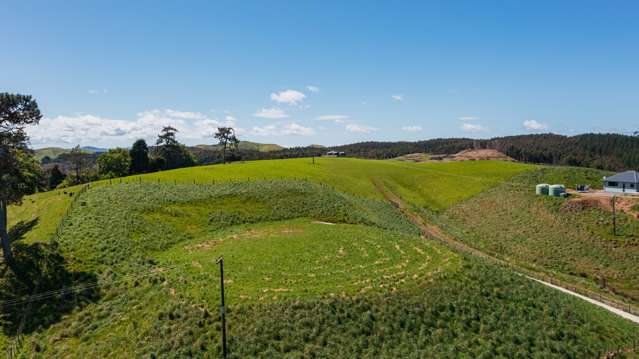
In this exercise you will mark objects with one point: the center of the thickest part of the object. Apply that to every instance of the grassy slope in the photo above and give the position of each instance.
(432, 185)
(446, 304)
(52, 152)
(168, 230)
(248, 145)
(534, 231)
(40, 213)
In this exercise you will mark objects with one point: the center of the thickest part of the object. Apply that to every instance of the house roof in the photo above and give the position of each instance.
(627, 176)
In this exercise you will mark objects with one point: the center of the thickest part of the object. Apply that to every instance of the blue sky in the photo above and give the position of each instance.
(327, 72)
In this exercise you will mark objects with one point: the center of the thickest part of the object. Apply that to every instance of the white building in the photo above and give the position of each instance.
(624, 182)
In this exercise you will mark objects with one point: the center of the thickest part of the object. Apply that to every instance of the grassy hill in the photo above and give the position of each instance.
(53, 152)
(317, 264)
(545, 234)
(248, 146)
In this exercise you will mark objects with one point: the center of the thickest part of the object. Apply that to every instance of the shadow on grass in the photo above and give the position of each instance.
(39, 269)
(18, 231)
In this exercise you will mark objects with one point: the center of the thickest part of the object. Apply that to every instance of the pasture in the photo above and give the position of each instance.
(317, 264)
(541, 233)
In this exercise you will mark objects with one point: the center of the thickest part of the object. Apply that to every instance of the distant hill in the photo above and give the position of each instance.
(53, 152)
(246, 146)
(604, 151)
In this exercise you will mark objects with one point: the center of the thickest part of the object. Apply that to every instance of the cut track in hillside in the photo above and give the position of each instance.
(433, 231)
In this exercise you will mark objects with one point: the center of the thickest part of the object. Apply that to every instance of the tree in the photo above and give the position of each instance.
(139, 154)
(20, 172)
(115, 163)
(226, 136)
(79, 163)
(175, 154)
(55, 176)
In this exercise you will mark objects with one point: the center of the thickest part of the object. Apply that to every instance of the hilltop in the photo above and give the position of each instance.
(603, 151)
(53, 152)
(245, 146)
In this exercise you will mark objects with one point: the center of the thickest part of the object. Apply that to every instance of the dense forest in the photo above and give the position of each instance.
(604, 151)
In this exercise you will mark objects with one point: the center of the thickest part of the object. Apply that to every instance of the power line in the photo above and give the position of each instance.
(77, 288)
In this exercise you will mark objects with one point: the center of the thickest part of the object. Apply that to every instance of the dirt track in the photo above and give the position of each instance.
(432, 231)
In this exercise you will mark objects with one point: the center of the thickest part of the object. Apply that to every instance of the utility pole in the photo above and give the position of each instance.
(313, 159)
(614, 216)
(220, 261)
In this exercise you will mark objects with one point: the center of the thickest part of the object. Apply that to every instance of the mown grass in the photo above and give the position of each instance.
(37, 218)
(301, 259)
(511, 222)
(122, 224)
(432, 185)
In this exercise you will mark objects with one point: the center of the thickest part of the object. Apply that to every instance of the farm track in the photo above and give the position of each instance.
(433, 231)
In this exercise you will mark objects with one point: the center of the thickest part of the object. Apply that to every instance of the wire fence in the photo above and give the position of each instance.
(626, 306)
(17, 342)
(13, 349)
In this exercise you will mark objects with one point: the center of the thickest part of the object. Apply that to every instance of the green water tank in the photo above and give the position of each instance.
(556, 190)
(542, 189)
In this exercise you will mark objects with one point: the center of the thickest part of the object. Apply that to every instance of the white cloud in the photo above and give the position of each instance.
(89, 129)
(532, 125)
(412, 128)
(468, 118)
(334, 118)
(470, 127)
(272, 113)
(312, 88)
(287, 129)
(97, 92)
(290, 97)
(185, 114)
(360, 128)
(398, 97)
(297, 130)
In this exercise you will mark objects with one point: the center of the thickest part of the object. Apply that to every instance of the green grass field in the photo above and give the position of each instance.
(317, 265)
(432, 185)
(537, 232)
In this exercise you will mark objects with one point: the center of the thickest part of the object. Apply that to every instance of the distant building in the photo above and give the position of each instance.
(335, 154)
(624, 182)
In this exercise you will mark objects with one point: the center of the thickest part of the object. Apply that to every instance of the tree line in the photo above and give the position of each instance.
(78, 166)
(21, 174)
(614, 152)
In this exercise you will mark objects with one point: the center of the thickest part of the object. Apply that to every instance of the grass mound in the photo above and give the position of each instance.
(123, 224)
(310, 271)
(301, 259)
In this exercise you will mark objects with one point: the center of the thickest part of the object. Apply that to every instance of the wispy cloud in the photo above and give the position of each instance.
(468, 118)
(334, 118)
(352, 127)
(272, 113)
(412, 128)
(532, 125)
(97, 92)
(398, 97)
(286, 129)
(312, 88)
(472, 127)
(290, 97)
(187, 115)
